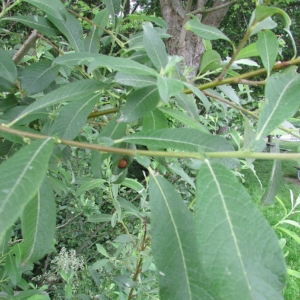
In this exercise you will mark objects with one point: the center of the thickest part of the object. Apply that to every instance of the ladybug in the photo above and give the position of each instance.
(122, 163)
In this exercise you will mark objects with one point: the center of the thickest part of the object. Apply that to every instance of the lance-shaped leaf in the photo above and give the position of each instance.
(248, 51)
(274, 182)
(54, 8)
(154, 120)
(184, 119)
(72, 117)
(38, 76)
(124, 65)
(205, 31)
(113, 130)
(211, 60)
(168, 87)
(200, 95)
(8, 69)
(181, 139)
(92, 41)
(136, 81)
(175, 252)
(267, 46)
(230, 93)
(155, 47)
(20, 178)
(239, 251)
(139, 103)
(72, 91)
(113, 6)
(187, 102)
(71, 28)
(41, 24)
(38, 225)
(282, 101)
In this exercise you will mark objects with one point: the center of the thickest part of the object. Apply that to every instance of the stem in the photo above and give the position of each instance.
(240, 47)
(103, 112)
(238, 79)
(203, 11)
(4, 11)
(130, 152)
(25, 47)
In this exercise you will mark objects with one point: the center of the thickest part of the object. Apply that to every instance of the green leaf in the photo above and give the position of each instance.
(292, 234)
(38, 76)
(168, 87)
(273, 184)
(157, 20)
(211, 60)
(154, 47)
(262, 12)
(135, 81)
(239, 251)
(75, 59)
(267, 46)
(41, 24)
(113, 6)
(72, 117)
(249, 51)
(200, 95)
(187, 102)
(184, 119)
(180, 139)
(124, 65)
(154, 120)
(97, 218)
(267, 23)
(89, 185)
(8, 69)
(54, 8)
(205, 31)
(20, 178)
(230, 93)
(176, 256)
(180, 172)
(71, 28)
(13, 269)
(139, 103)
(92, 41)
(38, 225)
(282, 93)
(70, 92)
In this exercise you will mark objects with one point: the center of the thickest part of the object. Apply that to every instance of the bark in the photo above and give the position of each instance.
(191, 48)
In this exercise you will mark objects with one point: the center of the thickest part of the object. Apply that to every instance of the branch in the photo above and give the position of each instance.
(183, 30)
(131, 152)
(203, 11)
(238, 79)
(25, 47)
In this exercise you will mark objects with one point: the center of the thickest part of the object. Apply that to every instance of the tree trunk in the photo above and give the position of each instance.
(191, 47)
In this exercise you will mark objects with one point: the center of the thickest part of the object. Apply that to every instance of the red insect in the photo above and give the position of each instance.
(122, 163)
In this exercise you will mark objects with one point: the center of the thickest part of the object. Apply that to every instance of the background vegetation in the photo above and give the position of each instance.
(133, 162)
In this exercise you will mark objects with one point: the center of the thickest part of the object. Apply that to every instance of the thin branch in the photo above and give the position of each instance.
(129, 152)
(237, 79)
(103, 112)
(65, 224)
(25, 47)
(203, 11)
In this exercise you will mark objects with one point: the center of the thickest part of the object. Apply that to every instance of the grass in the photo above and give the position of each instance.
(275, 212)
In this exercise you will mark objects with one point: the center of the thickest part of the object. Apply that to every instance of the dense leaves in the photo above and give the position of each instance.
(115, 179)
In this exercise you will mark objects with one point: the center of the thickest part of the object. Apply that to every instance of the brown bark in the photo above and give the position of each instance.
(191, 49)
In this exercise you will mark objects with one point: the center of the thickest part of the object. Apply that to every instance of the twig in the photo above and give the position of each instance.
(203, 11)
(65, 224)
(25, 47)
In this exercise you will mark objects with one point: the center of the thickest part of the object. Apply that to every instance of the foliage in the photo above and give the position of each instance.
(88, 107)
